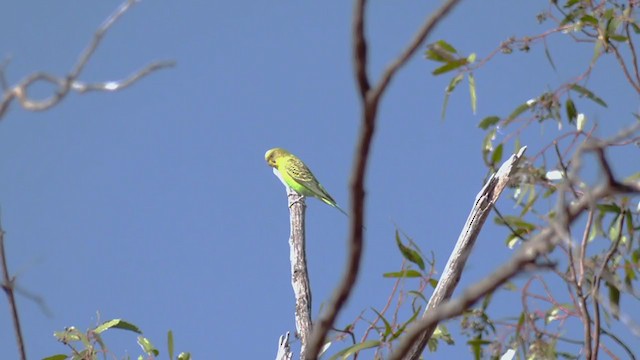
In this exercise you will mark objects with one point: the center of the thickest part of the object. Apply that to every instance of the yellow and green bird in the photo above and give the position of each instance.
(296, 175)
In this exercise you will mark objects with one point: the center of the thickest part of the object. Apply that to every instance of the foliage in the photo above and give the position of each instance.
(598, 260)
(90, 345)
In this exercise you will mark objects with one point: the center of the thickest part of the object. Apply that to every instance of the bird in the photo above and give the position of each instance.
(294, 174)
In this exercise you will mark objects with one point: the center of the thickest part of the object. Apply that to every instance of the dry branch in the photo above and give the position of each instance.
(65, 84)
(284, 350)
(370, 98)
(299, 269)
(526, 256)
(8, 285)
(485, 200)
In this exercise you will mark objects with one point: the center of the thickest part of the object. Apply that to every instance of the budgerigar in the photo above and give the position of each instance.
(296, 175)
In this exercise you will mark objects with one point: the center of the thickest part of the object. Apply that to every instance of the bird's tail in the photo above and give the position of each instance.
(339, 208)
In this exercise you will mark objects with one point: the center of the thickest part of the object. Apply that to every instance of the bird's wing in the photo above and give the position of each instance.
(301, 174)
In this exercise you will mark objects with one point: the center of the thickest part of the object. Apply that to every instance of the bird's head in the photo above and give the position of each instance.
(273, 155)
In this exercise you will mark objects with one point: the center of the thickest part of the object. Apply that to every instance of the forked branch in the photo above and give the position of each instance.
(64, 85)
(370, 98)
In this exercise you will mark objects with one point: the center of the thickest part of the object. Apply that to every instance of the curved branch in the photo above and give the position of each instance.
(370, 102)
(70, 82)
(8, 285)
(523, 259)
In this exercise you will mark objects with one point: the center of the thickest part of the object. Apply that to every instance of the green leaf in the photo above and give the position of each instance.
(343, 354)
(472, 93)
(548, 55)
(487, 143)
(409, 253)
(471, 58)
(452, 85)
(609, 208)
(629, 273)
(404, 326)
(100, 342)
(117, 324)
(515, 222)
(56, 357)
(388, 330)
(614, 299)
(147, 346)
(449, 66)
(69, 335)
(629, 221)
(515, 113)
(497, 155)
(570, 3)
(488, 121)
(446, 46)
(512, 240)
(170, 343)
(572, 113)
(403, 274)
(588, 19)
(589, 94)
(442, 333)
(618, 38)
(614, 228)
(476, 346)
(440, 51)
(417, 294)
(184, 356)
(520, 323)
(486, 301)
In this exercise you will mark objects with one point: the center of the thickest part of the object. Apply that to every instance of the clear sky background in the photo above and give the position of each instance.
(155, 204)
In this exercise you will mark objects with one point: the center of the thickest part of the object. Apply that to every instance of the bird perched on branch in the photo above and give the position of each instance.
(296, 175)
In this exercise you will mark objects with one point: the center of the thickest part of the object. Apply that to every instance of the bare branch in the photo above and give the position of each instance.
(3, 81)
(97, 37)
(299, 270)
(284, 350)
(452, 272)
(70, 82)
(578, 279)
(360, 48)
(596, 288)
(8, 285)
(430, 24)
(370, 101)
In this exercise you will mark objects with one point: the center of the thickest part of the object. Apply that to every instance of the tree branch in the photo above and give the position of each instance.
(370, 102)
(299, 269)
(540, 245)
(284, 350)
(485, 200)
(8, 285)
(70, 82)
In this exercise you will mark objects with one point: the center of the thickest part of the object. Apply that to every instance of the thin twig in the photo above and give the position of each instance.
(3, 80)
(596, 289)
(578, 279)
(8, 285)
(634, 56)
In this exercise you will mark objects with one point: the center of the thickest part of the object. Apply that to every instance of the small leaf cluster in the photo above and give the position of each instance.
(90, 344)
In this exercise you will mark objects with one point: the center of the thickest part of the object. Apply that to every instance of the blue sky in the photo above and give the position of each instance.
(155, 205)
